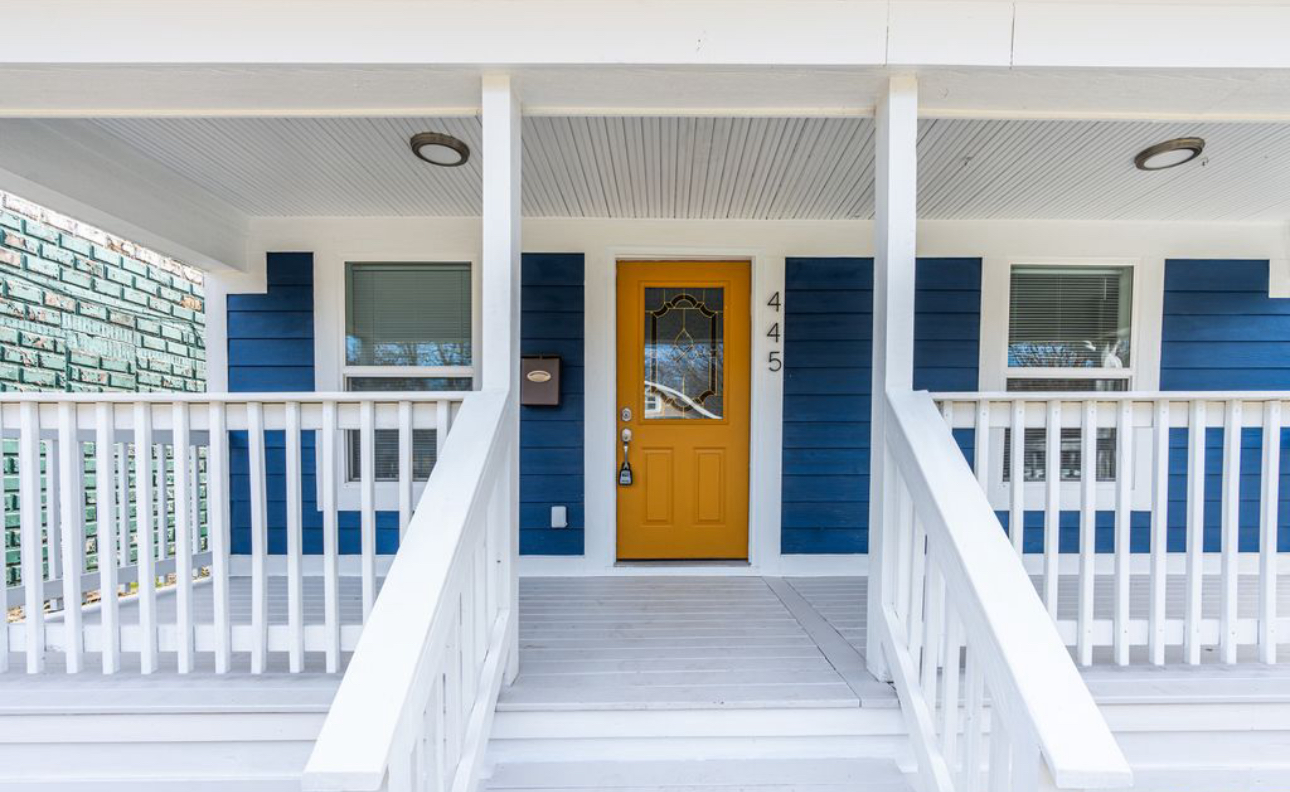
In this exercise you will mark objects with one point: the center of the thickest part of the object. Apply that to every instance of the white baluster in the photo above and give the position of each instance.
(1000, 770)
(1159, 532)
(981, 460)
(217, 503)
(405, 466)
(331, 572)
(259, 539)
(33, 573)
(443, 419)
(1087, 531)
(71, 469)
(1123, 517)
(144, 538)
(916, 587)
(973, 723)
(950, 693)
(1195, 529)
(1231, 529)
(183, 537)
(1017, 475)
(295, 539)
(1268, 532)
(933, 629)
(367, 467)
(1052, 505)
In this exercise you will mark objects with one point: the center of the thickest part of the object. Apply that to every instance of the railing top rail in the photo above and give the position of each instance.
(354, 747)
(1024, 655)
(277, 397)
(1110, 396)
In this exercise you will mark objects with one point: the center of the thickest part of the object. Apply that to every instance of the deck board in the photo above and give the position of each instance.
(668, 643)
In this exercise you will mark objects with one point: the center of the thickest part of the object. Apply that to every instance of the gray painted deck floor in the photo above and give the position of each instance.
(678, 642)
(673, 641)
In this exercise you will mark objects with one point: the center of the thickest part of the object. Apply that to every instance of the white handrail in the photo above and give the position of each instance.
(960, 594)
(418, 697)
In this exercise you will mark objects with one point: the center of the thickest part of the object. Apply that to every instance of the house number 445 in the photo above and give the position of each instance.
(775, 358)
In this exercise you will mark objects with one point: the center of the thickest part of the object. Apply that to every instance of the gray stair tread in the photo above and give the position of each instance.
(759, 775)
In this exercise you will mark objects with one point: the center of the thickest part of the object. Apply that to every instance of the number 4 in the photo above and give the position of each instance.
(773, 302)
(773, 332)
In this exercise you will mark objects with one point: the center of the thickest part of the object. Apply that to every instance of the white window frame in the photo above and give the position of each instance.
(1128, 372)
(999, 491)
(349, 493)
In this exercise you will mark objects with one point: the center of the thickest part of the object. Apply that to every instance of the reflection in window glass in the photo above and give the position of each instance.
(407, 315)
(1070, 317)
(684, 352)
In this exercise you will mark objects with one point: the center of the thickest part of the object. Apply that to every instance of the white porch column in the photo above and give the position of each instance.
(895, 221)
(500, 364)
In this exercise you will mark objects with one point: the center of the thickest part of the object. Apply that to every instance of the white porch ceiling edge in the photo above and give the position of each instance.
(89, 174)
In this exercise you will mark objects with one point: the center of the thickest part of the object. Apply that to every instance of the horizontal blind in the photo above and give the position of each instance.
(408, 315)
(1069, 317)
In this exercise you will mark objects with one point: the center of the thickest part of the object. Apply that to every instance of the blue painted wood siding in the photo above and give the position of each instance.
(828, 337)
(271, 348)
(1221, 331)
(551, 438)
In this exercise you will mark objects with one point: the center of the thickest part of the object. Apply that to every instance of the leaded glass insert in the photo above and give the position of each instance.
(684, 352)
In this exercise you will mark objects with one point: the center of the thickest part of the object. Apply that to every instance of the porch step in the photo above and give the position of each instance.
(758, 775)
(164, 732)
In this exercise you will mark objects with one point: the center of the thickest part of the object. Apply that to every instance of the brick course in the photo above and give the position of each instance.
(83, 311)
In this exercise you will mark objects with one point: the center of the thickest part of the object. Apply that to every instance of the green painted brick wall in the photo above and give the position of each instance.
(83, 311)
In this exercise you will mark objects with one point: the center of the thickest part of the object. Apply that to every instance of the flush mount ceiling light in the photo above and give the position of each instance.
(1169, 154)
(439, 149)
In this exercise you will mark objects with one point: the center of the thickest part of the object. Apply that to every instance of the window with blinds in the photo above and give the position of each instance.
(1070, 317)
(407, 314)
(412, 318)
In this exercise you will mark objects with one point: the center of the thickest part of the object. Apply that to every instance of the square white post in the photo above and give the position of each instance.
(895, 226)
(501, 306)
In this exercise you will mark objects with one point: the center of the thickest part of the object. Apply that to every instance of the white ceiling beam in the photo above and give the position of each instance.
(87, 174)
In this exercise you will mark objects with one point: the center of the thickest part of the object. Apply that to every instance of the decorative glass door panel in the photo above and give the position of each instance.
(682, 426)
(684, 352)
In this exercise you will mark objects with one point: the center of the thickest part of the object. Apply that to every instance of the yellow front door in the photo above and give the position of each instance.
(683, 395)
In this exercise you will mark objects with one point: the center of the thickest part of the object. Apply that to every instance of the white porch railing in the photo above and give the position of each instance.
(415, 708)
(1117, 460)
(963, 628)
(161, 507)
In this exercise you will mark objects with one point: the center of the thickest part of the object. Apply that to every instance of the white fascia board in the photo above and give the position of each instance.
(1166, 35)
(514, 33)
(470, 32)
(950, 32)
(86, 174)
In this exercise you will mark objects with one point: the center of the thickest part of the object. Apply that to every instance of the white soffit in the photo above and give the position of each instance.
(737, 168)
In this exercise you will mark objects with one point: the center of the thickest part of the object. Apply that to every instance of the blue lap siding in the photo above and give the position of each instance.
(551, 438)
(271, 349)
(1221, 331)
(828, 332)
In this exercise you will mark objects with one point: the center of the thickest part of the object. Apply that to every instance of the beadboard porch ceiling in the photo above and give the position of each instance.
(722, 167)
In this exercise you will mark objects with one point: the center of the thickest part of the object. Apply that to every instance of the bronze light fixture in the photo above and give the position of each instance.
(439, 149)
(1169, 154)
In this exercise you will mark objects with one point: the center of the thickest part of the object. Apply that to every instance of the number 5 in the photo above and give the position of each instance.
(775, 361)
